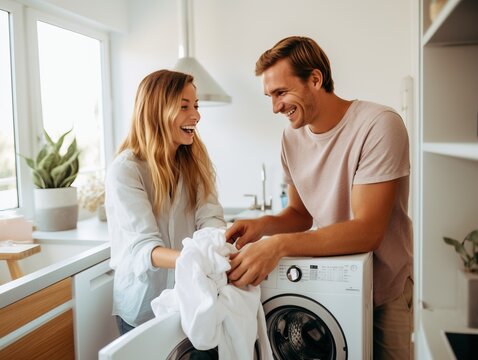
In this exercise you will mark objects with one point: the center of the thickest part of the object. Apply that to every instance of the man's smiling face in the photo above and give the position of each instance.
(289, 94)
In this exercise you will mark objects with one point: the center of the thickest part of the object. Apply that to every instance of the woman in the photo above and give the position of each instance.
(159, 190)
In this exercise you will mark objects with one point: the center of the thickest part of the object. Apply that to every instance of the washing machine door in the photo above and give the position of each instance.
(159, 338)
(301, 328)
(186, 351)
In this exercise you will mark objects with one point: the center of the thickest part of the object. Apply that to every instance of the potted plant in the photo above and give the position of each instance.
(468, 282)
(56, 202)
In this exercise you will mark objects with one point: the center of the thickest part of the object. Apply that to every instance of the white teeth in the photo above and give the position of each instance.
(289, 113)
(188, 128)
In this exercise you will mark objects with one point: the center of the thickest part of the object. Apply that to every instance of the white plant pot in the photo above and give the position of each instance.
(468, 298)
(56, 209)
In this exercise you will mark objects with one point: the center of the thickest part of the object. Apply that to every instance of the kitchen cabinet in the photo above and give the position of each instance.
(448, 157)
(70, 319)
(94, 325)
(45, 322)
(54, 312)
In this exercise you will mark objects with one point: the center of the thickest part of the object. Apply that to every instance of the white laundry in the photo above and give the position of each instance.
(213, 312)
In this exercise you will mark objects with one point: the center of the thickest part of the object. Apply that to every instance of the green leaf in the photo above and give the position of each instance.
(451, 242)
(37, 180)
(49, 161)
(59, 143)
(46, 178)
(473, 237)
(459, 248)
(43, 152)
(59, 171)
(48, 138)
(71, 149)
(75, 166)
(72, 152)
(68, 181)
(29, 162)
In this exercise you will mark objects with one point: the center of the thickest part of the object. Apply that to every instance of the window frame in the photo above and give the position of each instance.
(26, 89)
(20, 103)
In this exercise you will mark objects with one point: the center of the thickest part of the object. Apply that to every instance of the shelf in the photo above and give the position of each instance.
(454, 25)
(435, 322)
(459, 150)
(447, 167)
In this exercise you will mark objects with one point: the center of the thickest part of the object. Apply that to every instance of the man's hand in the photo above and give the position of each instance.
(254, 262)
(244, 231)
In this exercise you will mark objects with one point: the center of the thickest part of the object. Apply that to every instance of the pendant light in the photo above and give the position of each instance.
(209, 92)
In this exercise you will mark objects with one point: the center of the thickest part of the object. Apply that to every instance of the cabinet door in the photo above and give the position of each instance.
(93, 297)
(51, 341)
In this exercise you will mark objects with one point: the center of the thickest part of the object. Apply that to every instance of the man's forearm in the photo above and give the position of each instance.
(287, 221)
(349, 237)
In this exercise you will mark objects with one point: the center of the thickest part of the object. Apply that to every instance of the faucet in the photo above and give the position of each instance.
(254, 205)
(263, 206)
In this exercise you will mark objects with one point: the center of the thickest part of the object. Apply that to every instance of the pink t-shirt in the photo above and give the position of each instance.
(369, 145)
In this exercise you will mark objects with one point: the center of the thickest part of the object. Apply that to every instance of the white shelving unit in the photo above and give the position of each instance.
(448, 152)
(460, 150)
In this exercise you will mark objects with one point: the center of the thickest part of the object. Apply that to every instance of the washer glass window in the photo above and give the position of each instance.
(297, 333)
(299, 327)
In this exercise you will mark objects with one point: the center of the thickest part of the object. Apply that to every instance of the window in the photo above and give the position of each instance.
(8, 170)
(63, 84)
(71, 88)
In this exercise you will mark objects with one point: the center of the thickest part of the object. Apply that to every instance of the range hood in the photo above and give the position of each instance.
(209, 91)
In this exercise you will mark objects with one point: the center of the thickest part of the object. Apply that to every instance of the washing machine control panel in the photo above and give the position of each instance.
(294, 273)
(328, 274)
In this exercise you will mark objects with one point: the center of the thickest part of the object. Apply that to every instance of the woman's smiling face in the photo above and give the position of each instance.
(184, 126)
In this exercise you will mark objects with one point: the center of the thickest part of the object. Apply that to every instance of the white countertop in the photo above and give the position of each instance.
(88, 230)
(26, 285)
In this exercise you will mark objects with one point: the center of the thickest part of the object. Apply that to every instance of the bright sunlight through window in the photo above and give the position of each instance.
(70, 78)
(8, 179)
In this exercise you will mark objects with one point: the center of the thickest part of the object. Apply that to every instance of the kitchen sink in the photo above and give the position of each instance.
(233, 214)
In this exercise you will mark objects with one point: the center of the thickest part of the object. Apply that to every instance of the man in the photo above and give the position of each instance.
(347, 168)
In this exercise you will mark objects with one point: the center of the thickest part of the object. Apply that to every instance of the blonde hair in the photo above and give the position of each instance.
(157, 104)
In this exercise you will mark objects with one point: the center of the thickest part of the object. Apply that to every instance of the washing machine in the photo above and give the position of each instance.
(320, 308)
(159, 338)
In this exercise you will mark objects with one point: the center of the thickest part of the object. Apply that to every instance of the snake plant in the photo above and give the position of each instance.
(467, 250)
(50, 169)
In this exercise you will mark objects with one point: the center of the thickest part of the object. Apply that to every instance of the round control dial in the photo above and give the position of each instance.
(294, 273)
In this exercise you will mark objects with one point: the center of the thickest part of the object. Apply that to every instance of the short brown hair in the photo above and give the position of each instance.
(304, 55)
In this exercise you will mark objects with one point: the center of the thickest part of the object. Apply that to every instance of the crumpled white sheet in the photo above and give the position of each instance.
(213, 312)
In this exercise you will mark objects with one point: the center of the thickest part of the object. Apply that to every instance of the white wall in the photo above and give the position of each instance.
(105, 14)
(369, 43)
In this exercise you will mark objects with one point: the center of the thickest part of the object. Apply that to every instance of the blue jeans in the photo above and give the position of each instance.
(123, 326)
